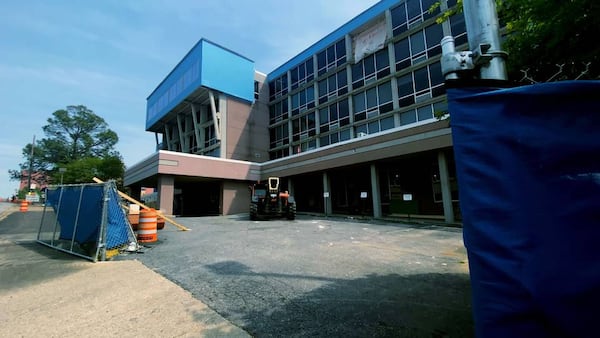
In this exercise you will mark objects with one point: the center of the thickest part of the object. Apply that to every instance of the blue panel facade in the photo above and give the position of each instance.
(183, 80)
(227, 71)
(206, 64)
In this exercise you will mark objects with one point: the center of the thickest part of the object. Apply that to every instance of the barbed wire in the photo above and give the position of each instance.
(556, 76)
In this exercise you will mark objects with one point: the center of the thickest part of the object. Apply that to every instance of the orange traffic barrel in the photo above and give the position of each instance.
(147, 231)
(160, 223)
(24, 205)
(134, 220)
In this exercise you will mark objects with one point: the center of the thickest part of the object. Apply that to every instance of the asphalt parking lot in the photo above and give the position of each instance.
(326, 277)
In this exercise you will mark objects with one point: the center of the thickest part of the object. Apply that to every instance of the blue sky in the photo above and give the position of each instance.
(109, 55)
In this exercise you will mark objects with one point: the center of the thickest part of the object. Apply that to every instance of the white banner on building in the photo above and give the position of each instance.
(369, 41)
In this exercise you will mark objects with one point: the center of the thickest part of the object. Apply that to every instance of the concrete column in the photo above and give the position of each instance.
(327, 189)
(290, 185)
(223, 116)
(180, 128)
(445, 185)
(166, 193)
(375, 192)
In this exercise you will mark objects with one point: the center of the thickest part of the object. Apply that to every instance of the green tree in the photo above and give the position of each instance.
(552, 39)
(80, 141)
(548, 39)
(83, 170)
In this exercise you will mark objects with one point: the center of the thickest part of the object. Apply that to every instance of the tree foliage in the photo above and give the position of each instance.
(552, 39)
(548, 39)
(80, 141)
(83, 170)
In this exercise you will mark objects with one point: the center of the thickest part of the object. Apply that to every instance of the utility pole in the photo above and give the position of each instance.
(483, 31)
(30, 165)
(486, 56)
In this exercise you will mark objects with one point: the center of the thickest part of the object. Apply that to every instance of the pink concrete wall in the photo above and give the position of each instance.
(247, 131)
(204, 166)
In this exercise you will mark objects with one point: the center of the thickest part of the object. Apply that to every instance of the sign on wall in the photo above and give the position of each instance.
(369, 41)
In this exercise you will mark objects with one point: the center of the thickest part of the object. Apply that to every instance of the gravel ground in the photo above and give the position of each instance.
(327, 277)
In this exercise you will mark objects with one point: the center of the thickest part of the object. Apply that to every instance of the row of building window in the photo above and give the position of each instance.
(334, 119)
(306, 126)
(416, 86)
(410, 13)
(419, 46)
(330, 122)
(412, 49)
(330, 58)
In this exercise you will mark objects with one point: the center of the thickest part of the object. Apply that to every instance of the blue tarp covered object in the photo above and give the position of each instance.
(528, 167)
(81, 220)
(90, 211)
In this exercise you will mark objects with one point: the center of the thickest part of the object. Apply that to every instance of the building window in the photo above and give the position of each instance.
(303, 100)
(304, 127)
(433, 39)
(374, 126)
(458, 29)
(399, 25)
(278, 111)
(302, 74)
(422, 84)
(335, 137)
(279, 153)
(371, 68)
(304, 146)
(332, 57)
(418, 47)
(410, 13)
(279, 135)
(333, 86)
(423, 113)
(334, 116)
(373, 101)
(278, 87)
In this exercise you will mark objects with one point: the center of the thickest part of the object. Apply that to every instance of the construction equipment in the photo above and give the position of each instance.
(268, 201)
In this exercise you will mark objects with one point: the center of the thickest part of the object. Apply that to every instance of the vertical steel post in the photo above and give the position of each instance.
(483, 29)
(29, 173)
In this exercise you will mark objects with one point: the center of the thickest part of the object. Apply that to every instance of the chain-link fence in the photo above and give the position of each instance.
(85, 220)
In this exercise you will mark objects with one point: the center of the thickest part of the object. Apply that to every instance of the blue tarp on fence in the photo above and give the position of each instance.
(81, 220)
(528, 167)
(82, 217)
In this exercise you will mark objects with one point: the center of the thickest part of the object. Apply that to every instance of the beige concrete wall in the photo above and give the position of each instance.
(236, 197)
(247, 127)
(166, 188)
(239, 127)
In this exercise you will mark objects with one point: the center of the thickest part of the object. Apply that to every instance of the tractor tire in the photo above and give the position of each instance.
(291, 213)
(253, 212)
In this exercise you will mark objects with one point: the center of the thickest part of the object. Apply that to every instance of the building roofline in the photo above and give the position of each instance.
(348, 27)
(188, 53)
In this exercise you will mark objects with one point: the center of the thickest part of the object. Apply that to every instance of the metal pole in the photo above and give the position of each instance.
(62, 171)
(483, 29)
(30, 165)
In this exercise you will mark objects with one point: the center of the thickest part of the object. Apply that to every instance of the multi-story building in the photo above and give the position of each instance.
(349, 124)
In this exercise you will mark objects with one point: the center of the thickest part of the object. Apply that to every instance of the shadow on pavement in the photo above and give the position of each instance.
(392, 305)
(23, 261)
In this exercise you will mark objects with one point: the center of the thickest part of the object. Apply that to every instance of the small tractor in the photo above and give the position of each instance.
(267, 200)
